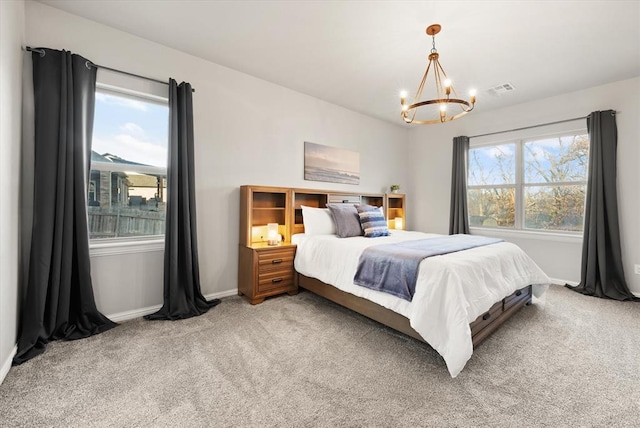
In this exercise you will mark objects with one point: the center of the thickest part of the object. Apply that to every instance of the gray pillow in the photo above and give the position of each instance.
(346, 219)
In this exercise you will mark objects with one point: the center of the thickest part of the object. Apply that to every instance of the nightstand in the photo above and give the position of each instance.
(265, 270)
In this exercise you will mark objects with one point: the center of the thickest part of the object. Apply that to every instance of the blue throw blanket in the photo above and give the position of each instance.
(393, 268)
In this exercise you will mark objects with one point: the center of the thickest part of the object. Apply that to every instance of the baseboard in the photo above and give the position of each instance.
(221, 294)
(134, 313)
(6, 366)
(137, 313)
(557, 281)
(574, 283)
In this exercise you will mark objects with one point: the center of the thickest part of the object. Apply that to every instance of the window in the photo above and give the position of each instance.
(532, 184)
(127, 186)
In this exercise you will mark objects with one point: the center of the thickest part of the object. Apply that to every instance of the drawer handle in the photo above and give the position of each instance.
(519, 293)
(486, 316)
(276, 261)
(276, 280)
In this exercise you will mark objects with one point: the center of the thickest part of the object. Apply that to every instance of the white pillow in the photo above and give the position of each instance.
(317, 221)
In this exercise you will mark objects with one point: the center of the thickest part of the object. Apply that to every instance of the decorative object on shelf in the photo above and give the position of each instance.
(399, 224)
(444, 90)
(394, 188)
(332, 164)
(272, 234)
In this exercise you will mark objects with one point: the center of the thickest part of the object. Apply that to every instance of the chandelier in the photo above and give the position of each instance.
(445, 95)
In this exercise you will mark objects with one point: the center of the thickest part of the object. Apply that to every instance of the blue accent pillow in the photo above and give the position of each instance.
(372, 221)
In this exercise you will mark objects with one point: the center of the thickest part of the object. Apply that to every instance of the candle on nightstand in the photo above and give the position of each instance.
(272, 233)
(398, 223)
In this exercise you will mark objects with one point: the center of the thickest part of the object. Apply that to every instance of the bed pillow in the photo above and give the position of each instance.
(317, 221)
(346, 219)
(372, 221)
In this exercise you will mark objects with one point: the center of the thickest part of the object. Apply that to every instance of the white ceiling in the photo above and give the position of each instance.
(360, 54)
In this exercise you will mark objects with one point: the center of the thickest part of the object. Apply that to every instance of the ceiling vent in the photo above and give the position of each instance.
(499, 90)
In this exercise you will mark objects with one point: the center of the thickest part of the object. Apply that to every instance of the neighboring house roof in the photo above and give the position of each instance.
(95, 157)
(109, 158)
(118, 159)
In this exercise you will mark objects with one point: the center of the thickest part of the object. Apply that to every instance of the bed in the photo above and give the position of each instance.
(460, 298)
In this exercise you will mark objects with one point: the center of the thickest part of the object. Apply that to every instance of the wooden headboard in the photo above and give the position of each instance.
(260, 205)
(320, 199)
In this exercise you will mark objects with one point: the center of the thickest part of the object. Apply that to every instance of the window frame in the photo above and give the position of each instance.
(520, 185)
(128, 244)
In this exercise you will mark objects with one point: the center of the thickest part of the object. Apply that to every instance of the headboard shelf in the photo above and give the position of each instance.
(396, 208)
(260, 205)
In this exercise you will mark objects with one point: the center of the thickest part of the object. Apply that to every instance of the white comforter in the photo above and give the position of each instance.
(452, 290)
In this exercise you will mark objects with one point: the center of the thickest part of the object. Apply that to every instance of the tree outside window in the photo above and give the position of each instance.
(536, 184)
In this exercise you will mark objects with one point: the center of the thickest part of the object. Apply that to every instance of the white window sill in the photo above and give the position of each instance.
(117, 246)
(527, 234)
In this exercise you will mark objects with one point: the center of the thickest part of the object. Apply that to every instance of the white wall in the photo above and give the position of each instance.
(11, 39)
(247, 131)
(430, 170)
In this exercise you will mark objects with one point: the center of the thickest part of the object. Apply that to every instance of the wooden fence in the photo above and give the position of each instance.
(124, 221)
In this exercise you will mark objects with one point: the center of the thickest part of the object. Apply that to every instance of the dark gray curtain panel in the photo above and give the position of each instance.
(182, 295)
(459, 214)
(601, 270)
(59, 301)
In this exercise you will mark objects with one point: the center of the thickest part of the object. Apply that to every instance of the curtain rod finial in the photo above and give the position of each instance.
(30, 49)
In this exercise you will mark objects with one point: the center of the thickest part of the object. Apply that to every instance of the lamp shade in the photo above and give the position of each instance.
(272, 233)
(399, 223)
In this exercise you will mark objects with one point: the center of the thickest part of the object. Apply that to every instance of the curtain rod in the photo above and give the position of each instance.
(89, 63)
(528, 127)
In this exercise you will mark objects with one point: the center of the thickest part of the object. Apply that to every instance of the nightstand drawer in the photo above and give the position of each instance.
(283, 266)
(280, 279)
(276, 258)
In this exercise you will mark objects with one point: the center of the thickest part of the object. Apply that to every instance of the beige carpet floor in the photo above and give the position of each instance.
(567, 361)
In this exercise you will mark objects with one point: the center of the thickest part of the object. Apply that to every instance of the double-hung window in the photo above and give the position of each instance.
(127, 192)
(536, 184)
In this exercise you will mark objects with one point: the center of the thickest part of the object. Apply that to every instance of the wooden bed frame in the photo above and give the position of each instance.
(481, 328)
(261, 205)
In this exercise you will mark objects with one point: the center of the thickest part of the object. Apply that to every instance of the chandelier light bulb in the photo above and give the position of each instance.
(472, 96)
(443, 111)
(403, 95)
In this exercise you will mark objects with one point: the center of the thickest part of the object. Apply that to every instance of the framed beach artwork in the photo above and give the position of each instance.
(332, 164)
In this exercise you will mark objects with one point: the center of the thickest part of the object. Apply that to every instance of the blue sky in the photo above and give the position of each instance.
(135, 130)
(485, 166)
(496, 164)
